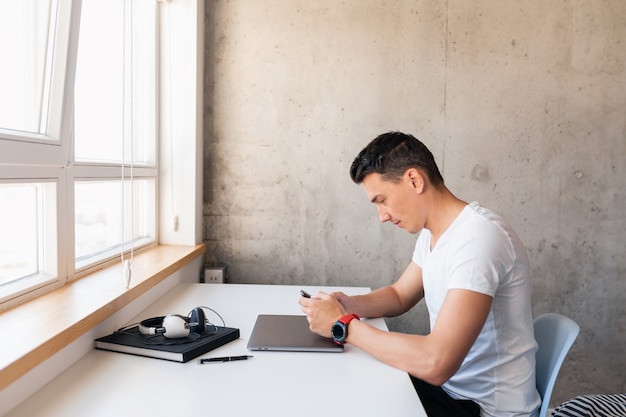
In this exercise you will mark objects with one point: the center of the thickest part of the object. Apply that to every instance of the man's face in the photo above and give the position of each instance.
(396, 202)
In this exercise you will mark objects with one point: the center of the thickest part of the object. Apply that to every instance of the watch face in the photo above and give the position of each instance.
(339, 332)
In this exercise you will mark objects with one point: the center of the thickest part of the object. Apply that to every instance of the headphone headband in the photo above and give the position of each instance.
(171, 326)
(152, 325)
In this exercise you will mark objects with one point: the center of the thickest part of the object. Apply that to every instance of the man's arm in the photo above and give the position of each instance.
(389, 301)
(433, 358)
(436, 357)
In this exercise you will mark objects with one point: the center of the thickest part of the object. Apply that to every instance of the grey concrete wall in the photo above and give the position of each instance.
(523, 104)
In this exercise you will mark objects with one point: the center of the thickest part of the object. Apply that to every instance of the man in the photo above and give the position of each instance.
(473, 272)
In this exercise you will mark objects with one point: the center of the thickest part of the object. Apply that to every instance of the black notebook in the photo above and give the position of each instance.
(158, 346)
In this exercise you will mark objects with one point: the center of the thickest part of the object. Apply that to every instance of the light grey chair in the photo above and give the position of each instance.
(555, 335)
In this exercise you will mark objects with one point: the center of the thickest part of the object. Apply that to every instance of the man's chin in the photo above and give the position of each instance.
(413, 232)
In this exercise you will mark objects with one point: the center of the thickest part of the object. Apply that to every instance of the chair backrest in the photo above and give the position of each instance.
(555, 335)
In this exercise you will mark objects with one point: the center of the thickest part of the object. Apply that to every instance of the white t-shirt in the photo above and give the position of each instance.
(481, 252)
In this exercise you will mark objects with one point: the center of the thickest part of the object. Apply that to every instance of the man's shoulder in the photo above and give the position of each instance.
(478, 216)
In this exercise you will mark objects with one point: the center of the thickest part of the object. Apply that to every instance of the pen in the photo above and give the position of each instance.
(226, 359)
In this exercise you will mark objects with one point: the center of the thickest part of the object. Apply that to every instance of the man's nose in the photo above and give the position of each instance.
(383, 215)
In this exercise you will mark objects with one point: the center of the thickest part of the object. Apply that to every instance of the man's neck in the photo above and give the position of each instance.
(445, 208)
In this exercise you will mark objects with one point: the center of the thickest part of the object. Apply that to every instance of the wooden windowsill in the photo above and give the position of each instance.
(36, 330)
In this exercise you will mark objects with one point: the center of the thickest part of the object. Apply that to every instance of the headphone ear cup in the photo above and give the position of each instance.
(176, 326)
(197, 316)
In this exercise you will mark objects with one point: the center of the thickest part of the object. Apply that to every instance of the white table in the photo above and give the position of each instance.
(274, 384)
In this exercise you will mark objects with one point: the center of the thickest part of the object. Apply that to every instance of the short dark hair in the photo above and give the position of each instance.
(391, 154)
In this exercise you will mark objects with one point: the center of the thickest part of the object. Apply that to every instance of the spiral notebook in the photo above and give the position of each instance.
(288, 333)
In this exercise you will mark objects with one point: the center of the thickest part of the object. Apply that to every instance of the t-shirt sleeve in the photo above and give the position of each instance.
(483, 256)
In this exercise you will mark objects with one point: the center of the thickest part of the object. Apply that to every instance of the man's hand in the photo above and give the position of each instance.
(344, 300)
(322, 311)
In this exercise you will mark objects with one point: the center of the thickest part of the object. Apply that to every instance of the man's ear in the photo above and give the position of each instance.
(415, 178)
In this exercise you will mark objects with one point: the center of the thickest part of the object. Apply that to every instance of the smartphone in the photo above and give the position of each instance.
(305, 294)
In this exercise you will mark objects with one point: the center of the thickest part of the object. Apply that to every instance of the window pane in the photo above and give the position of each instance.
(99, 221)
(26, 230)
(116, 82)
(27, 61)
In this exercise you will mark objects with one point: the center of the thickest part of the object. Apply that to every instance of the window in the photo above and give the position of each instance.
(34, 39)
(27, 246)
(114, 129)
(27, 30)
(115, 88)
(79, 136)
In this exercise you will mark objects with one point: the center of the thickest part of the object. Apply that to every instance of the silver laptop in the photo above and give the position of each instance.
(288, 333)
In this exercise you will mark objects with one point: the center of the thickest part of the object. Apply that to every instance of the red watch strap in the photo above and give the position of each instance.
(348, 318)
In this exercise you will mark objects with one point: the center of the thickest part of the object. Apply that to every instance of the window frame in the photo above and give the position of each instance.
(59, 76)
(180, 69)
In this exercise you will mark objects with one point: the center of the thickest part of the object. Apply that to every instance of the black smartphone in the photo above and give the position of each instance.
(305, 294)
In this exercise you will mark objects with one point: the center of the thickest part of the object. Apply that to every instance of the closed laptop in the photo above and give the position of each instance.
(288, 333)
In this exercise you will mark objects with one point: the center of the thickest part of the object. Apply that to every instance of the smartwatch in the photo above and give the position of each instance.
(340, 328)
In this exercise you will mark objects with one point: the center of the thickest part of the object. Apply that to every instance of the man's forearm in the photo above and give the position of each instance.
(382, 302)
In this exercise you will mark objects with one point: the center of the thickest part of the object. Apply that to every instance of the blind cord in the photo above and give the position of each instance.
(128, 27)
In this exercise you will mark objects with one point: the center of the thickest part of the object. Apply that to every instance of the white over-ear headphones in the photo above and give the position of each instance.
(171, 326)
(175, 326)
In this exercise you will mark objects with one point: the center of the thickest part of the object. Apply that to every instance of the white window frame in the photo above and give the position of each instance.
(43, 157)
(181, 124)
(39, 158)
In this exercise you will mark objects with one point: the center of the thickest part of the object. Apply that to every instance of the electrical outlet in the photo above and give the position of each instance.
(214, 274)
